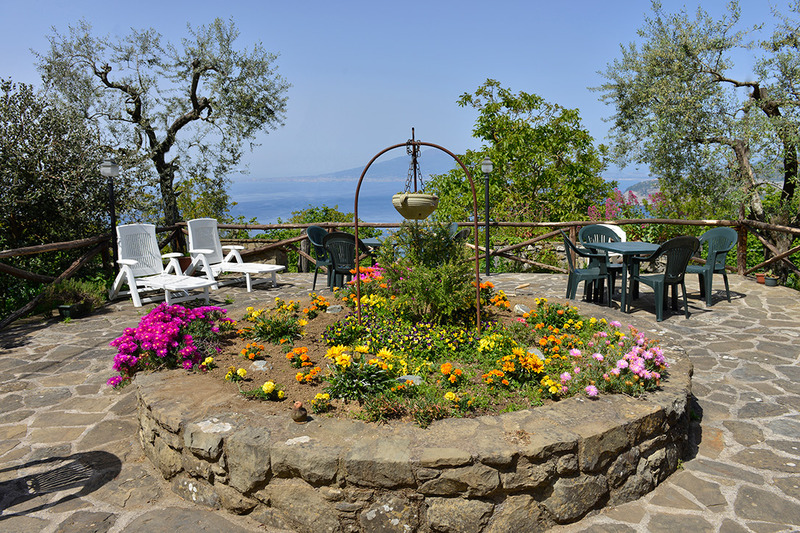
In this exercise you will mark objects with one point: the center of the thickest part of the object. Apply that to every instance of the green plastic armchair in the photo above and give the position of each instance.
(596, 273)
(720, 241)
(315, 236)
(678, 252)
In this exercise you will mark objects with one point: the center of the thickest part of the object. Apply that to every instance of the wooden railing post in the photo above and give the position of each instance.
(741, 249)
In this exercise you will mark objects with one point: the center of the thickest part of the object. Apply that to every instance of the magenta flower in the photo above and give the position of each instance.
(591, 391)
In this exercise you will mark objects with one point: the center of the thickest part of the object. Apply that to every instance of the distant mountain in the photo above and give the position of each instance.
(644, 188)
(394, 169)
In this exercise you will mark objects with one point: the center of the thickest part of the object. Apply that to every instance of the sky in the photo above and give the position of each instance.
(363, 73)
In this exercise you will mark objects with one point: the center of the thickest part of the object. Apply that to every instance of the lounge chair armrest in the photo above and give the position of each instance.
(128, 262)
(233, 256)
(204, 251)
(171, 255)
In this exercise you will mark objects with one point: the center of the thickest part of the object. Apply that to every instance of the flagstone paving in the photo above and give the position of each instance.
(70, 459)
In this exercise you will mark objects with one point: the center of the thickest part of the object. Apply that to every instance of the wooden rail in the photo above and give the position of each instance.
(100, 244)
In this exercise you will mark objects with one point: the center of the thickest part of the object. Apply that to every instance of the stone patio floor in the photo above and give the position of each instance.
(70, 459)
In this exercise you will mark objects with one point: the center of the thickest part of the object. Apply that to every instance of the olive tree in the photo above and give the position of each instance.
(171, 111)
(703, 131)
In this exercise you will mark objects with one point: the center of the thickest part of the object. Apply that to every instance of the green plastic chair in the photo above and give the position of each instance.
(720, 241)
(678, 252)
(315, 236)
(341, 248)
(596, 273)
(601, 233)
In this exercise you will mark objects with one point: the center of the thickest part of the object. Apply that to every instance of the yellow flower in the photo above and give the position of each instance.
(241, 373)
(335, 351)
(450, 395)
(208, 361)
(268, 387)
(281, 395)
(302, 322)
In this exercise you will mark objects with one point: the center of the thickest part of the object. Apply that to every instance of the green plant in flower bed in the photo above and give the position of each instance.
(269, 391)
(356, 376)
(280, 326)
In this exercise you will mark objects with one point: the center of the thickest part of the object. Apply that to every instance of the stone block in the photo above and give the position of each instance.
(457, 515)
(622, 467)
(316, 463)
(567, 464)
(204, 439)
(380, 463)
(572, 498)
(444, 457)
(390, 514)
(196, 491)
(528, 475)
(233, 500)
(519, 512)
(168, 461)
(248, 459)
(301, 506)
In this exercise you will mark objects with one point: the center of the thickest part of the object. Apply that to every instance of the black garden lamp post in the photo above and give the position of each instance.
(110, 170)
(486, 168)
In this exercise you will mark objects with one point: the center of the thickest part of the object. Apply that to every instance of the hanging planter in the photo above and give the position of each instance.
(415, 205)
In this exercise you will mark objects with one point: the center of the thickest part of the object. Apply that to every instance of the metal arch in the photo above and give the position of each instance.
(474, 223)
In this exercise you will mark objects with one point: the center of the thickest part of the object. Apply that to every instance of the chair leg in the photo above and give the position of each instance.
(708, 282)
(702, 282)
(658, 294)
(314, 284)
(675, 297)
(610, 289)
(685, 302)
(727, 289)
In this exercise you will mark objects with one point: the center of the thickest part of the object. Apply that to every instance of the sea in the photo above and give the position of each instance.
(274, 200)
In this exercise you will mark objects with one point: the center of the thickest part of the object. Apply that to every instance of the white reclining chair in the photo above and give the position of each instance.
(142, 268)
(206, 251)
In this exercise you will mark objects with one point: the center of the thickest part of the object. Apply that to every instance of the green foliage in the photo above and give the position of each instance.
(428, 274)
(52, 191)
(172, 111)
(278, 327)
(546, 166)
(72, 291)
(358, 379)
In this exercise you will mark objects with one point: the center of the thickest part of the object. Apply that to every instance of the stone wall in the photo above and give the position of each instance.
(522, 471)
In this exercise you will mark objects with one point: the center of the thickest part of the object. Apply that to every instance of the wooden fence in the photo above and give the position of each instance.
(100, 244)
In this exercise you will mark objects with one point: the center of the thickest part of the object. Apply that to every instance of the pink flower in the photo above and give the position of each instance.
(598, 357)
(591, 391)
(565, 377)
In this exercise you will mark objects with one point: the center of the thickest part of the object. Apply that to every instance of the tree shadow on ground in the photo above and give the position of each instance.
(58, 476)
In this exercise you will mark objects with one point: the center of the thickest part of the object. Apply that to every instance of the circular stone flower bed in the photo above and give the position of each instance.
(525, 470)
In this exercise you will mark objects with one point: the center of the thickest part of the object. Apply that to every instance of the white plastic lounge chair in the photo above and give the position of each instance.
(206, 251)
(142, 268)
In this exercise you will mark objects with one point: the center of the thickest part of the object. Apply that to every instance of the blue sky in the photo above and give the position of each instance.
(364, 72)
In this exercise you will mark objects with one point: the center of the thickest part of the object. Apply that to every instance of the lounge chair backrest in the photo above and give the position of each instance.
(139, 242)
(623, 237)
(678, 252)
(720, 241)
(204, 235)
(597, 233)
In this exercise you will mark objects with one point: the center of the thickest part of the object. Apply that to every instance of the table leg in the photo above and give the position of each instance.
(623, 299)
